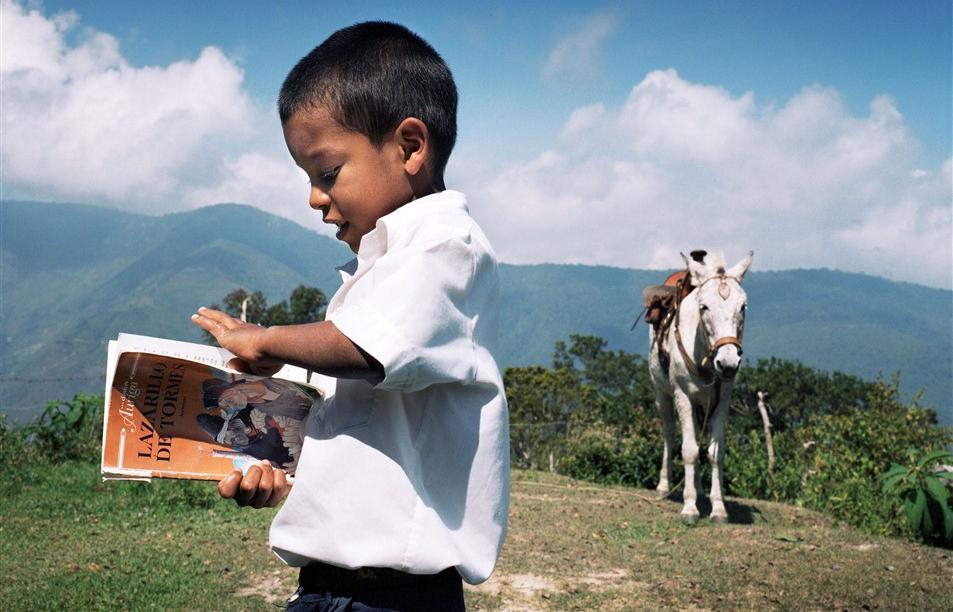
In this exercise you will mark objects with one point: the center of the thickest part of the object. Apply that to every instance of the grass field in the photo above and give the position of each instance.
(68, 540)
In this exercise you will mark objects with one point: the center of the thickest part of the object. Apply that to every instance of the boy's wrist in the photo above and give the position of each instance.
(262, 343)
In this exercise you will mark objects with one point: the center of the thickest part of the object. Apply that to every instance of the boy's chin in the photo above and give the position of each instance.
(351, 244)
(351, 238)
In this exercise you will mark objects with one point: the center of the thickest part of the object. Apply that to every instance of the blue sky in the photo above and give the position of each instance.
(497, 50)
(817, 133)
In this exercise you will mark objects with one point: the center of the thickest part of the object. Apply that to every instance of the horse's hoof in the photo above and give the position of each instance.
(720, 519)
(661, 494)
(689, 519)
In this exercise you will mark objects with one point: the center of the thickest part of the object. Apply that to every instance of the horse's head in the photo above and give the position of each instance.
(721, 309)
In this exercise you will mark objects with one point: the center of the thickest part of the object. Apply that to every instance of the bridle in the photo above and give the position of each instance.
(704, 370)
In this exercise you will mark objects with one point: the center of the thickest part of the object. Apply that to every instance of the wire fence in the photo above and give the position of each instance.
(10, 409)
(57, 379)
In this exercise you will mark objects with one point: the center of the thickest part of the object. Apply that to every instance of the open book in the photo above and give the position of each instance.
(176, 410)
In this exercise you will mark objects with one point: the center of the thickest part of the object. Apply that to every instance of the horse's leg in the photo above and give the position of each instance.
(665, 410)
(689, 455)
(716, 455)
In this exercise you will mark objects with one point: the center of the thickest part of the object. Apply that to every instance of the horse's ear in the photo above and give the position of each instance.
(740, 268)
(696, 271)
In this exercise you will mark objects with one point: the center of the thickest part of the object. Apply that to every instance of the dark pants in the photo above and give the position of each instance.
(325, 588)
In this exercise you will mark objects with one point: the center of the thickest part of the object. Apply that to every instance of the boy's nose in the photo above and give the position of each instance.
(318, 198)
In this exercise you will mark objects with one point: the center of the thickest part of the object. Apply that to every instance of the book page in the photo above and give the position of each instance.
(214, 356)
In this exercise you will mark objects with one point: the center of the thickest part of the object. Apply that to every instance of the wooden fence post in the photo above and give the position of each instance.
(767, 440)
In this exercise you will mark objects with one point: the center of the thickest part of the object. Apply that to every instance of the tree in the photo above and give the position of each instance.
(798, 393)
(621, 379)
(542, 404)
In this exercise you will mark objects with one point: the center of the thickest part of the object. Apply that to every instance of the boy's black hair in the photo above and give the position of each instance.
(373, 75)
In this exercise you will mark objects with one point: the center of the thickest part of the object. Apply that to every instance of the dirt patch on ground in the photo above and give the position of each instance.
(517, 591)
(271, 587)
(610, 578)
(526, 585)
(530, 592)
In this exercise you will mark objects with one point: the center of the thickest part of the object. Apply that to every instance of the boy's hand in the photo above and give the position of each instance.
(262, 486)
(239, 337)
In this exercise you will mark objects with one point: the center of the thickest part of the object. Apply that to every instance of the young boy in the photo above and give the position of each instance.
(403, 482)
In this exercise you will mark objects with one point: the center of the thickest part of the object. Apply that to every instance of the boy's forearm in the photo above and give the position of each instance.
(320, 347)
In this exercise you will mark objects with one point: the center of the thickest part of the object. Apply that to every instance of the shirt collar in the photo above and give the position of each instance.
(347, 270)
(374, 243)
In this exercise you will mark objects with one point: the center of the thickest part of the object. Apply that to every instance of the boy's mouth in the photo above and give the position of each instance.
(341, 229)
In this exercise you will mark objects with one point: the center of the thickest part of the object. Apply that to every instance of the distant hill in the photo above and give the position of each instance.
(74, 276)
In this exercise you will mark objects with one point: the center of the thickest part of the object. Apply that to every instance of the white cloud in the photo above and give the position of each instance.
(678, 165)
(682, 165)
(82, 124)
(577, 53)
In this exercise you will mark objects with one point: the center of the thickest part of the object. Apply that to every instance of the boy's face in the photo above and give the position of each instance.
(353, 182)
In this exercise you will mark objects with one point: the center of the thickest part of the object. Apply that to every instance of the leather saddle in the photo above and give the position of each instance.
(659, 300)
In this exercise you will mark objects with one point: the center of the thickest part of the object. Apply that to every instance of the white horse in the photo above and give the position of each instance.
(703, 345)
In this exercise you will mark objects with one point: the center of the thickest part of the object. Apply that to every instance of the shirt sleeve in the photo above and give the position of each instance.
(413, 313)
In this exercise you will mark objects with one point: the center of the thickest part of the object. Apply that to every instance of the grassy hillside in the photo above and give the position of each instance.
(74, 276)
(122, 545)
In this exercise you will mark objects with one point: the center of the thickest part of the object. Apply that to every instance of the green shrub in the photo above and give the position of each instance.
(848, 453)
(69, 431)
(746, 466)
(598, 453)
(922, 488)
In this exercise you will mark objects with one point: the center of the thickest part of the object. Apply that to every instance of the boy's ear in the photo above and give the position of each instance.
(414, 141)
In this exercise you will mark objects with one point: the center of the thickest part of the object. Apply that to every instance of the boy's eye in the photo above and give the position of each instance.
(329, 175)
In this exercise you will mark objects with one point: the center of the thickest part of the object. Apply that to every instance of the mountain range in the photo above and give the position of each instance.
(73, 276)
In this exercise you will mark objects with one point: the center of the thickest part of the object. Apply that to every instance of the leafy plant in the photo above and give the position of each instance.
(847, 452)
(599, 454)
(921, 485)
(70, 430)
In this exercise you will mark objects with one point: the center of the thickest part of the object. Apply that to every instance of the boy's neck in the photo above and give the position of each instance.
(423, 184)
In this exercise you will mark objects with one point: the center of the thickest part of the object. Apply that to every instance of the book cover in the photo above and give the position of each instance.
(175, 410)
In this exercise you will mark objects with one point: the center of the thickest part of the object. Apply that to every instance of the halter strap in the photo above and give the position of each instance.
(720, 342)
(720, 277)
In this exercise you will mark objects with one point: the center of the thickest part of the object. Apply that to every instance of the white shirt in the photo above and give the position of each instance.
(411, 473)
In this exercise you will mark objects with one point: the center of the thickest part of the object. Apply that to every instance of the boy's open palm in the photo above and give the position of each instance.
(238, 337)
